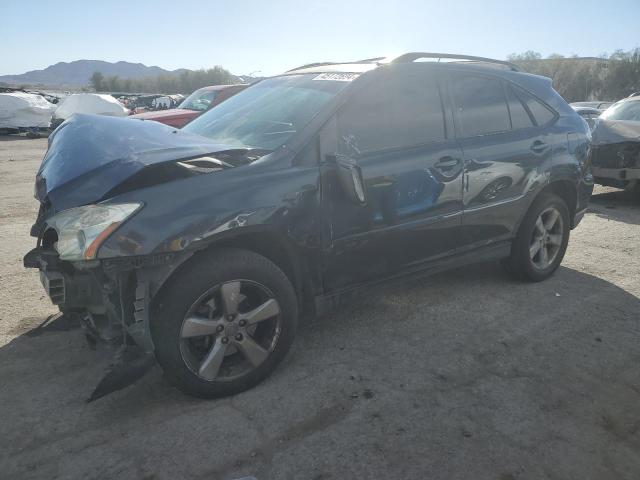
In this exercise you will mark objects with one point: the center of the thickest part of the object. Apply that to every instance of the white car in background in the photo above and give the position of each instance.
(92, 103)
(21, 111)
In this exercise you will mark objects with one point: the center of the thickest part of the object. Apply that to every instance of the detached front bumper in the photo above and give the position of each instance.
(67, 287)
(112, 294)
(112, 297)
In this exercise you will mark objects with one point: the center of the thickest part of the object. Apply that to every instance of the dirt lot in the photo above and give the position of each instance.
(465, 375)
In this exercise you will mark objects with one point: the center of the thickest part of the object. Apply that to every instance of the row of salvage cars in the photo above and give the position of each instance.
(34, 114)
(615, 144)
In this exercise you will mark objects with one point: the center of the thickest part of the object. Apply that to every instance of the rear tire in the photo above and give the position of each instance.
(542, 239)
(203, 296)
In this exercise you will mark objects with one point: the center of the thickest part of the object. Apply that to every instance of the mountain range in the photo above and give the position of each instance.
(78, 73)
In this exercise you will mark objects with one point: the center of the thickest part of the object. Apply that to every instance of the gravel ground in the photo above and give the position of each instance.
(463, 375)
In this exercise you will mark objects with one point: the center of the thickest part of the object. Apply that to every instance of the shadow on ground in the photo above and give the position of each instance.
(465, 374)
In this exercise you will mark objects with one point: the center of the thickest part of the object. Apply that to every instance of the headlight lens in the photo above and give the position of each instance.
(82, 230)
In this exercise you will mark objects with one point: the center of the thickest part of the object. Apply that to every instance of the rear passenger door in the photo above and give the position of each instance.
(503, 148)
(397, 130)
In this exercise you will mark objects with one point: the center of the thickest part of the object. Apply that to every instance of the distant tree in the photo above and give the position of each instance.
(183, 82)
(602, 78)
(96, 81)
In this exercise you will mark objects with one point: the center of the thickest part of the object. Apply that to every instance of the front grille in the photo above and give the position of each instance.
(53, 283)
(617, 155)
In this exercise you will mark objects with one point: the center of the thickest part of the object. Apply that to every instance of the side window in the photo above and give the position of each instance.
(400, 109)
(541, 113)
(520, 118)
(481, 105)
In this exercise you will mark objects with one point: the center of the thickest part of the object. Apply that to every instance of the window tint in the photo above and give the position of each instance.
(519, 116)
(481, 105)
(400, 109)
(540, 111)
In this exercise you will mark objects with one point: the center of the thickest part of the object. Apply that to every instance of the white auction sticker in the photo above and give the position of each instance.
(337, 77)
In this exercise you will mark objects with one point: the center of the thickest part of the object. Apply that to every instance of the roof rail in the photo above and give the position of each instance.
(634, 94)
(321, 64)
(310, 65)
(412, 56)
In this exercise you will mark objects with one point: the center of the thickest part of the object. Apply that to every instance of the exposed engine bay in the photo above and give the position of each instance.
(616, 153)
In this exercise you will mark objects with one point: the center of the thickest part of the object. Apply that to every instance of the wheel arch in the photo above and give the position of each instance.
(563, 188)
(567, 191)
(271, 244)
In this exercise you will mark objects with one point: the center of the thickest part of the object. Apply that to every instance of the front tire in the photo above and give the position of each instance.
(224, 323)
(542, 239)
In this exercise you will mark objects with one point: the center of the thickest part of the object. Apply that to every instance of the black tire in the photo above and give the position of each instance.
(520, 264)
(187, 286)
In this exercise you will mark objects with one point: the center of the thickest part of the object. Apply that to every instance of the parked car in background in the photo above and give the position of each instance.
(25, 112)
(193, 106)
(602, 106)
(89, 103)
(206, 244)
(616, 145)
(589, 114)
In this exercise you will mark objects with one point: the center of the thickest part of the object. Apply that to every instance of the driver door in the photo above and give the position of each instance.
(398, 133)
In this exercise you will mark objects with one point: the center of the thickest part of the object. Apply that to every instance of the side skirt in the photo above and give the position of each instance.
(329, 302)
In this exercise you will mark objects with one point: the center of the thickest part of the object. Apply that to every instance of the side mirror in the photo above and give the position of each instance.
(349, 177)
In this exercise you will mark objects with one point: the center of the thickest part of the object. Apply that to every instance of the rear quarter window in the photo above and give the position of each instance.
(540, 112)
(520, 117)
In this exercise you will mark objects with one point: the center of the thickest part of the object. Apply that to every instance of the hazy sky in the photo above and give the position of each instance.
(273, 35)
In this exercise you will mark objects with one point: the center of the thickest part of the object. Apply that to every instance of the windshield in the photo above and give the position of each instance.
(267, 114)
(198, 100)
(629, 110)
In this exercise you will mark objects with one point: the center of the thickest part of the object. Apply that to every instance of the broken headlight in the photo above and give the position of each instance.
(82, 230)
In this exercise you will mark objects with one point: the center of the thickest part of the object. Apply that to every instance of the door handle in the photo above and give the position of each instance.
(446, 163)
(539, 146)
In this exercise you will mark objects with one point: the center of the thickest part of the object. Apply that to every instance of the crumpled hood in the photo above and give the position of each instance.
(615, 131)
(89, 155)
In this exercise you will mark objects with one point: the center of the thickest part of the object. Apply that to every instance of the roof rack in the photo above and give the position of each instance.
(321, 64)
(413, 56)
(311, 65)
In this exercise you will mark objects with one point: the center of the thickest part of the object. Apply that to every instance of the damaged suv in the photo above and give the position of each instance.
(203, 246)
(616, 145)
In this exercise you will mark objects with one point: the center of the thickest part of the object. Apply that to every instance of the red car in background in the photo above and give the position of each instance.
(193, 106)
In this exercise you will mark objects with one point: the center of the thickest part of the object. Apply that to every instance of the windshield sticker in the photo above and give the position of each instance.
(337, 77)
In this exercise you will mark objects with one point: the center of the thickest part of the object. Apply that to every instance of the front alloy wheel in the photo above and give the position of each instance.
(230, 330)
(223, 322)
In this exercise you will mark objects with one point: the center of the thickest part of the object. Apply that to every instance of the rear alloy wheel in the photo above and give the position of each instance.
(546, 238)
(542, 239)
(224, 323)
